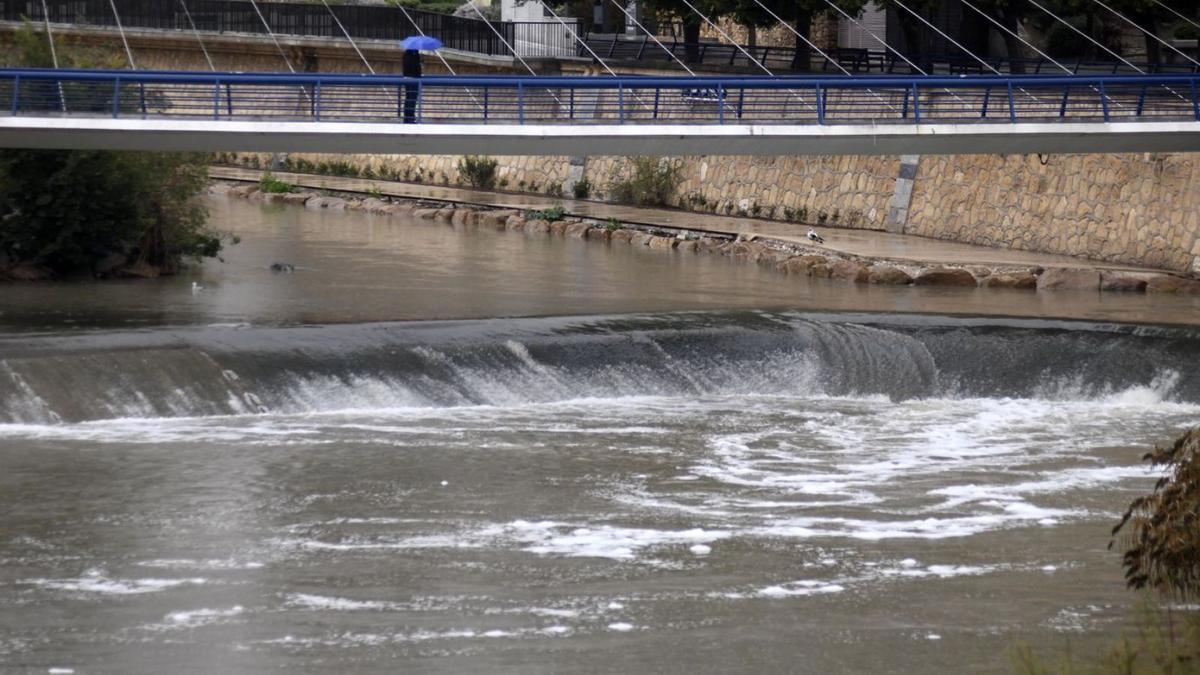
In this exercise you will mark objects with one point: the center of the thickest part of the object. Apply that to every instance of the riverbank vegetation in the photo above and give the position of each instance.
(97, 212)
(1159, 536)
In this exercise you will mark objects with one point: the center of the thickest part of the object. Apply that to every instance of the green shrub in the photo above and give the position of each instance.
(582, 189)
(272, 185)
(612, 225)
(480, 172)
(552, 214)
(650, 182)
(68, 209)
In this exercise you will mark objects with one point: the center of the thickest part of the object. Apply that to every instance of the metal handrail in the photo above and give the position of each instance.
(540, 100)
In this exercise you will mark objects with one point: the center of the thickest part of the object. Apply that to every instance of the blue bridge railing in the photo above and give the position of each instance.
(598, 100)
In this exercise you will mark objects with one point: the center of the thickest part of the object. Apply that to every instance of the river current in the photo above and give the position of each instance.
(441, 451)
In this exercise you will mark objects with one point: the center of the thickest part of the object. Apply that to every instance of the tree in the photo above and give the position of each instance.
(71, 211)
(692, 22)
(1162, 530)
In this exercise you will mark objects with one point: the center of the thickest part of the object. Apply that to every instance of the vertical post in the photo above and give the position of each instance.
(904, 106)
(1103, 101)
(16, 100)
(621, 102)
(741, 102)
(987, 94)
(820, 106)
(217, 100)
(916, 104)
(657, 93)
(721, 103)
(229, 99)
(571, 106)
(1141, 101)
(1062, 109)
(116, 107)
(317, 101)
(520, 103)
(486, 92)
(1195, 100)
(142, 97)
(1012, 107)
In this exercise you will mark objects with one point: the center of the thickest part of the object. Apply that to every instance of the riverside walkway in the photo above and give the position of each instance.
(863, 243)
(506, 115)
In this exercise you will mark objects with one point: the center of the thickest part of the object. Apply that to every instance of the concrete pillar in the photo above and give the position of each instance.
(575, 173)
(897, 216)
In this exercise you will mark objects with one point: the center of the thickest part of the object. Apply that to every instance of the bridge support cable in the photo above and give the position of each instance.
(749, 56)
(504, 42)
(581, 41)
(1101, 45)
(1161, 41)
(956, 43)
(278, 47)
(121, 30)
(62, 96)
(1087, 37)
(1169, 9)
(510, 48)
(446, 64)
(886, 46)
(825, 56)
(347, 34)
(876, 37)
(1029, 44)
(196, 32)
(650, 35)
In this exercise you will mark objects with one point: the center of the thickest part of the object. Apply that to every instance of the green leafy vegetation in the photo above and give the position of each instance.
(582, 189)
(552, 214)
(649, 181)
(272, 185)
(91, 211)
(480, 172)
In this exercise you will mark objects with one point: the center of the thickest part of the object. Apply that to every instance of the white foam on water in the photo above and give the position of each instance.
(95, 581)
(210, 564)
(700, 549)
(329, 603)
(621, 627)
(550, 611)
(601, 541)
(800, 588)
(200, 617)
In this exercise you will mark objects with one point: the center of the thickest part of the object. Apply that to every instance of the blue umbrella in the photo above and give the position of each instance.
(421, 42)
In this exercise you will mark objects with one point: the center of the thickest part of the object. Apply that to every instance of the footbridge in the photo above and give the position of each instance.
(506, 115)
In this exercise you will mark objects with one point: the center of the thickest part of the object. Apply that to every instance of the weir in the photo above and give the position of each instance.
(213, 371)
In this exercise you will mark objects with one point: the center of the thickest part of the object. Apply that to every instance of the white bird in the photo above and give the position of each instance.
(814, 237)
(196, 288)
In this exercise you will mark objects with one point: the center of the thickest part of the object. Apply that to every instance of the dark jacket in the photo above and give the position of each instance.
(412, 63)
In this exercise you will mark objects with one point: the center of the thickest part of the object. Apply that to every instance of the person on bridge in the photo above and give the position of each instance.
(411, 67)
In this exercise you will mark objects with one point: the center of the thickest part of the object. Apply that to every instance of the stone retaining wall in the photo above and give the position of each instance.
(1128, 209)
(785, 257)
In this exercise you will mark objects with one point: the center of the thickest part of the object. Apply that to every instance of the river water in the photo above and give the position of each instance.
(440, 451)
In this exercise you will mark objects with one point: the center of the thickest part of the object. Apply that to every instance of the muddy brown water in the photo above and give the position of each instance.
(441, 451)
